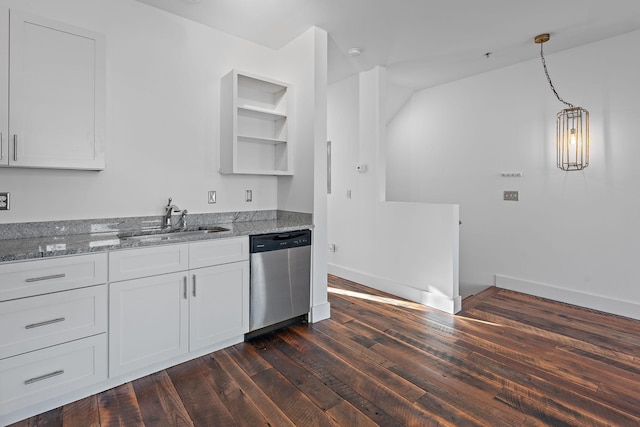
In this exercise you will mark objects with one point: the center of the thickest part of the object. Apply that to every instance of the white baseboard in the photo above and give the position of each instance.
(320, 312)
(570, 296)
(439, 302)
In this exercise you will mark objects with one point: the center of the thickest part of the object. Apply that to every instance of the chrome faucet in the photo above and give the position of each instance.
(169, 209)
(183, 219)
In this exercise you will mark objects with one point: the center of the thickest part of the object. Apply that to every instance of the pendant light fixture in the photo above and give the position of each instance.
(572, 127)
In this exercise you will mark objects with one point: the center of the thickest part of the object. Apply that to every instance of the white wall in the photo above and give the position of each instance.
(573, 236)
(407, 249)
(307, 56)
(163, 83)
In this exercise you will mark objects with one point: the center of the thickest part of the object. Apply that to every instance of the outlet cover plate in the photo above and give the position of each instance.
(511, 196)
(212, 196)
(4, 201)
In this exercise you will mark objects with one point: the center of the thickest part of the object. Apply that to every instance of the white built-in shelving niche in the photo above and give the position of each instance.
(254, 127)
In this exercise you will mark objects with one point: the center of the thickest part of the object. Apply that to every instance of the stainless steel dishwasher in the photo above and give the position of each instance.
(280, 280)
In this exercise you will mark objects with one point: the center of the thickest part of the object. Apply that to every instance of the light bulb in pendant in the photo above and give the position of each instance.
(572, 137)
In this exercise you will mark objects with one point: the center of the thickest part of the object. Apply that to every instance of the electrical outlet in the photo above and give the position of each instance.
(4, 201)
(511, 196)
(248, 196)
(212, 196)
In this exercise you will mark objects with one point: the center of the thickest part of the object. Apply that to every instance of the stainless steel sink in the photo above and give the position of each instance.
(152, 236)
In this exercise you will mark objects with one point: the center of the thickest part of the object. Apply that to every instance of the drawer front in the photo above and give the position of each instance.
(42, 321)
(219, 251)
(28, 278)
(143, 262)
(53, 371)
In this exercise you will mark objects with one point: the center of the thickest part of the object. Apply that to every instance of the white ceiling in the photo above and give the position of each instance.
(422, 43)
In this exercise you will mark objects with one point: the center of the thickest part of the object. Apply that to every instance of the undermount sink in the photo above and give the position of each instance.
(152, 236)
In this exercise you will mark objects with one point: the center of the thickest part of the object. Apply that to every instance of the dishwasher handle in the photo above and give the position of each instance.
(288, 236)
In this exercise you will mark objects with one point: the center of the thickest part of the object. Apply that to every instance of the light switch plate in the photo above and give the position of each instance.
(248, 196)
(212, 196)
(4, 201)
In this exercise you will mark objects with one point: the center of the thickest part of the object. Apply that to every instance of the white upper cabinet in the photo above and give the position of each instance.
(254, 126)
(56, 95)
(4, 87)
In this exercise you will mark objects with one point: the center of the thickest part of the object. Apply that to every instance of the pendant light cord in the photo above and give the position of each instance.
(546, 72)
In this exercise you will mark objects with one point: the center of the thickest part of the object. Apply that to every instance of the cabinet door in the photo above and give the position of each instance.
(57, 88)
(4, 87)
(148, 322)
(219, 307)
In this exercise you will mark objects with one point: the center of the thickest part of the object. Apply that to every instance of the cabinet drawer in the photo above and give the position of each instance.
(143, 262)
(42, 321)
(27, 278)
(39, 375)
(219, 251)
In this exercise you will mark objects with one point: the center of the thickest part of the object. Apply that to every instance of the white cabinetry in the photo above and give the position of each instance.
(219, 304)
(167, 314)
(148, 321)
(151, 261)
(53, 340)
(4, 86)
(57, 94)
(29, 278)
(44, 320)
(255, 125)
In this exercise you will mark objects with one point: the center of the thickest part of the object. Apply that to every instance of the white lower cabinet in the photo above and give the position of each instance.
(157, 319)
(76, 325)
(53, 332)
(219, 304)
(41, 321)
(148, 321)
(36, 376)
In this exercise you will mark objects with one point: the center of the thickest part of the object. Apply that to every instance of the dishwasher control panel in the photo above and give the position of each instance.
(278, 241)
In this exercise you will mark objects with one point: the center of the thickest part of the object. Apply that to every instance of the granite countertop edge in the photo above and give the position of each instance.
(76, 244)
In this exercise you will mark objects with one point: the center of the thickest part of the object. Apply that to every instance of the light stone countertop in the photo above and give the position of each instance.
(61, 242)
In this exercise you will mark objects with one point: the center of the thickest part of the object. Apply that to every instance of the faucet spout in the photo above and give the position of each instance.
(169, 210)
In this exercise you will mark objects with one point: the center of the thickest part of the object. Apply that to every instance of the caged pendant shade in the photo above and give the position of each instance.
(573, 138)
(572, 127)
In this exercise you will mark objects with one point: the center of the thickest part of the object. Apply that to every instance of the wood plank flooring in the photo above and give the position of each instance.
(507, 359)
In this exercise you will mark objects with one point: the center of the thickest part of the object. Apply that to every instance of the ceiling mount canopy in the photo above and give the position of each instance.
(572, 126)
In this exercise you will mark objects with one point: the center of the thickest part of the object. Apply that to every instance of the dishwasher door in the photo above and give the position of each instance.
(280, 285)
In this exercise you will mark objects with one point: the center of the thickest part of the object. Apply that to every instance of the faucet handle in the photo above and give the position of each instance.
(183, 219)
(170, 200)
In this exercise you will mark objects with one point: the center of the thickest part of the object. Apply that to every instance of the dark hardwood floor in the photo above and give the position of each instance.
(507, 359)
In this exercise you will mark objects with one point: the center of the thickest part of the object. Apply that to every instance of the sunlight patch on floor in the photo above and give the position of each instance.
(471, 319)
(376, 298)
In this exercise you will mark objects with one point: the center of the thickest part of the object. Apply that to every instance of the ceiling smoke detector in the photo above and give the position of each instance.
(354, 52)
